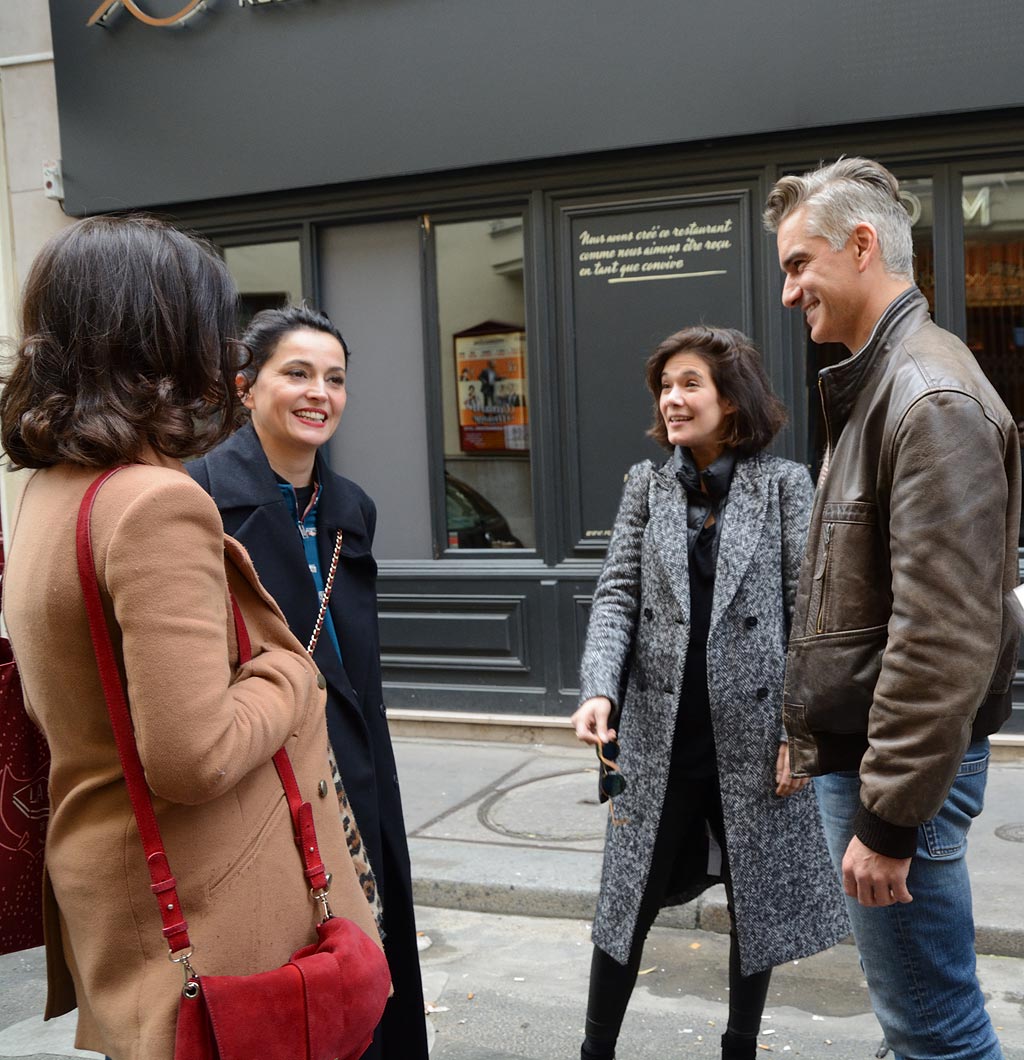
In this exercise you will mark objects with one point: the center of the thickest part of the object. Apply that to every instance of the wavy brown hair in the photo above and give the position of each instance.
(739, 377)
(127, 340)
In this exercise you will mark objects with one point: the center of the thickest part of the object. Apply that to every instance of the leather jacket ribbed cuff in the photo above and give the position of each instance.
(890, 840)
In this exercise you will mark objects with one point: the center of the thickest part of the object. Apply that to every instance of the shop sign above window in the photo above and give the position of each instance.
(102, 15)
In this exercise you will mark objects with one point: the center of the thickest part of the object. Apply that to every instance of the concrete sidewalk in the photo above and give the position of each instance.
(517, 829)
(504, 828)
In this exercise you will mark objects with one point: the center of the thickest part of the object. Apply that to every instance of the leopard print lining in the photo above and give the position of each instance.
(360, 858)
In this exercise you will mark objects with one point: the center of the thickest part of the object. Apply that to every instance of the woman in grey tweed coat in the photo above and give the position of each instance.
(683, 663)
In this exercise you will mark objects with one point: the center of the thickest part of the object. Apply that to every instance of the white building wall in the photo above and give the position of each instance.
(29, 136)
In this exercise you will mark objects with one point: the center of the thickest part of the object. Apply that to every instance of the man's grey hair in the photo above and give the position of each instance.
(842, 195)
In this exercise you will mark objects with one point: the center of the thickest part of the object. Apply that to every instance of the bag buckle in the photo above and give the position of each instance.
(191, 987)
(320, 895)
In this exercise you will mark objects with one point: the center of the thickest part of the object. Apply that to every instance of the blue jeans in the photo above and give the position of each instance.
(918, 958)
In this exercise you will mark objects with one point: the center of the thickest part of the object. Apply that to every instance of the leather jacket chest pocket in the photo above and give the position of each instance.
(851, 584)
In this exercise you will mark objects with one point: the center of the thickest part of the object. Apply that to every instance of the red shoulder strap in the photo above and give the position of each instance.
(301, 812)
(163, 884)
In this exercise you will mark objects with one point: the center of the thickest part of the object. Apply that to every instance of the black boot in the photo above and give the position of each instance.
(739, 1046)
(596, 1050)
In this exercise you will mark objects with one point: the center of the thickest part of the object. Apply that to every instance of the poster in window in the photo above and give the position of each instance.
(490, 365)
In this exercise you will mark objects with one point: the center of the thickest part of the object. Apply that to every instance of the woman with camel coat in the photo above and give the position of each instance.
(127, 359)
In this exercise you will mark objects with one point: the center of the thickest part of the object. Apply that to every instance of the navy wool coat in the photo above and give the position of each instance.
(240, 480)
(788, 902)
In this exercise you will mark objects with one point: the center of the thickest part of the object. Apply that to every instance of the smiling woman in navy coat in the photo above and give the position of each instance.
(278, 497)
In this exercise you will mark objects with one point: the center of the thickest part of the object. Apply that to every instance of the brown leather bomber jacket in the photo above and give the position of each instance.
(902, 648)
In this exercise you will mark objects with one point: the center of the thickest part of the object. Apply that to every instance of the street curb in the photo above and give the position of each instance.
(706, 913)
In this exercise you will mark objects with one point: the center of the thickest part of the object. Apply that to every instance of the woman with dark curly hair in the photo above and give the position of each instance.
(681, 690)
(127, 358)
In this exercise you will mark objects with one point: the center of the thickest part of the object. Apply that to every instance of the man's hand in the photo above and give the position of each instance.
(591, 721)
(785, 782)
(873, 879)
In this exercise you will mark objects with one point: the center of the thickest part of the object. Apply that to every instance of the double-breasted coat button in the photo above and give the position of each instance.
(322, 789)
(751, 621)
(648, 614)
(383, 711)
(762, 693)
(321, 681)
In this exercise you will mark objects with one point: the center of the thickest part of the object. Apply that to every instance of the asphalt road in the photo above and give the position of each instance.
(514, 988)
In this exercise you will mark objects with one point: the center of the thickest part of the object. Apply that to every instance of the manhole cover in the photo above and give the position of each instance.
(552, 809)
(1013, 833)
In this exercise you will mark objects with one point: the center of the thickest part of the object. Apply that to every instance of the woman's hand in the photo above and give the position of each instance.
(786, 783)
(591, 721)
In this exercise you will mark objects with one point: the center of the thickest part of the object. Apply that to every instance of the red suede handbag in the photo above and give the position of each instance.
(325, 1003)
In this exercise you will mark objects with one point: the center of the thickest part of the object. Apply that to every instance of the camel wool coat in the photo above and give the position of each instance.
(206, 729)
(788, 902)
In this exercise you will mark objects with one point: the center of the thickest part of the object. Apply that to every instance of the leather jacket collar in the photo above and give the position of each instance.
(841, 384)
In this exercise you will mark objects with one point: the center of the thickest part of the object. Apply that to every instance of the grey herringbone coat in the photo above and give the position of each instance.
(788, 902)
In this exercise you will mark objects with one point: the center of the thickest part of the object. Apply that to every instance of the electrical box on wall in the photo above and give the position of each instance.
(53, 180)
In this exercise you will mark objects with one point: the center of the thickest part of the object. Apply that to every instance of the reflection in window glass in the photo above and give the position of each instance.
(917, 197)
(993, 206)
(482, 321)
(268, 275)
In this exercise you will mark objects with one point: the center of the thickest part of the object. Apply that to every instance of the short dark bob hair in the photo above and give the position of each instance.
(127, 340)
(738, 376)
(269, 326)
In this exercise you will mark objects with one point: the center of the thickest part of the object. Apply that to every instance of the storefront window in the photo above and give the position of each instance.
(486, 413)
(268, 275)
(993, 207)
(918, 199)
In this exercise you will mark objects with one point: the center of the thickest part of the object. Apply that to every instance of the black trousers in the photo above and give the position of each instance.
(688, 802)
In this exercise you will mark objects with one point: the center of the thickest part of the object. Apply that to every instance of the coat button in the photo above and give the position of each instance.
(322, 789)
(643, 688)
(648, 614)
(394, 779)
(762, 693)
(383, 711)
(751, 621)
(321, 681)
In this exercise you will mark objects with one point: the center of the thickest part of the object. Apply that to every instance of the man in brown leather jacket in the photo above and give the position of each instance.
(902, 649)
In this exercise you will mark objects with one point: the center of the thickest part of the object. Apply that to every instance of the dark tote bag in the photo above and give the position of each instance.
(24, 808)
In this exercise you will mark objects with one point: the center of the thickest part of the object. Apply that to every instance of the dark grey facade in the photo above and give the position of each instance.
(358, 130)
(251, 98)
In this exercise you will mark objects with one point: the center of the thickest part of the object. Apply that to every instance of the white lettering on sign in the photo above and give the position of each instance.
(662, 250)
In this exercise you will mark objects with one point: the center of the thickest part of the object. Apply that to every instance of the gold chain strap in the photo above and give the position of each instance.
(328, 586)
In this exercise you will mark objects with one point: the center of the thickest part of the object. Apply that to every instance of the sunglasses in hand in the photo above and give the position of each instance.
(612, 783)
